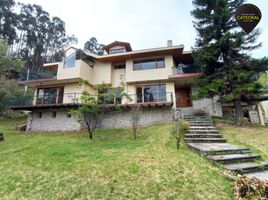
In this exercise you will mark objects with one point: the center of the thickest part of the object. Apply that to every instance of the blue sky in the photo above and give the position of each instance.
(143, 23)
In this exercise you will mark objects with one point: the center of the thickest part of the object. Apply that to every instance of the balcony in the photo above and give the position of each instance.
(184, 70)
(43, 75)
(74, 100)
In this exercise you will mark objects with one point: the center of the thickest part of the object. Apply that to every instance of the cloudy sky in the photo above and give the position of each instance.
(143, 23)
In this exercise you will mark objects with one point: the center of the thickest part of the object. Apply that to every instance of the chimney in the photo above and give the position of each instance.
(169, 43)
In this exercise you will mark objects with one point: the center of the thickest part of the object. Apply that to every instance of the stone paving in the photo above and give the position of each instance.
(205, 138)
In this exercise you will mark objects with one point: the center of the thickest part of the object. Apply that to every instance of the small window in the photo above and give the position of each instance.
(54, 114)
(70, 61)
(68, 115)
(39, 114)
(119, 66)
(119, 50)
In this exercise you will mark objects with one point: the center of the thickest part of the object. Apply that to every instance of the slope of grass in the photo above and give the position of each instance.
(112, 166)
(254, 137)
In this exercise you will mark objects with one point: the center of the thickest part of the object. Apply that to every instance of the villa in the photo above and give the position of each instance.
(158, 79)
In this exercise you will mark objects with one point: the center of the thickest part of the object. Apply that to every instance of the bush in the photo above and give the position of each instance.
(250, 188)
(178, 130)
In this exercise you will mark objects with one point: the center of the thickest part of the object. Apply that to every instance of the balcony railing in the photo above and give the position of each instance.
(75, 98)
(38, 75)
(184, 69)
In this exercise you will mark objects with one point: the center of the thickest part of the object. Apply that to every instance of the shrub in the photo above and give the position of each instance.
(250, 188)
(178, 130)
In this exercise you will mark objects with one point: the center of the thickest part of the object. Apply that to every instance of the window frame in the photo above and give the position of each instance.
(66, 57)
(142, 98)
(117, 50)
(139, 63)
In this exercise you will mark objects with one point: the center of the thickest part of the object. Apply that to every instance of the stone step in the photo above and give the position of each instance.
(200, 124)
(218, 148)
(203, 131)
(202, 136)
(205, 128)
(234, 158)
(261, 175)
(205, 140)
(247, 167)
(199, 121)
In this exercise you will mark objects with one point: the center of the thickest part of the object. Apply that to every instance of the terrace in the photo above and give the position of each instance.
(74, 100)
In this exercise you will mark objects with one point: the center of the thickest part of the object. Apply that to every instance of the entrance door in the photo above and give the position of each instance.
(183, 98)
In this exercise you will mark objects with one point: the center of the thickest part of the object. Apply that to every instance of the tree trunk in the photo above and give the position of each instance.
(90, 135)
(178, 143)
(238, 112)
(134, 135)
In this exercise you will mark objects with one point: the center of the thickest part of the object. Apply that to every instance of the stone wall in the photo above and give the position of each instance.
(112, 120)
(210, 105)
(62, 122)
(149, 116)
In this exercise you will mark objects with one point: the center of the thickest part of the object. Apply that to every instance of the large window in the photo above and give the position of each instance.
(70, 61)
(50, 95)
(149, 64)
(151, 93)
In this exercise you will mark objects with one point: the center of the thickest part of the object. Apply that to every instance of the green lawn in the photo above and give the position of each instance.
(112, 166)
(254, 137)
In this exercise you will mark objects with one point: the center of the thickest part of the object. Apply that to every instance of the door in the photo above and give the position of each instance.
(183, 98)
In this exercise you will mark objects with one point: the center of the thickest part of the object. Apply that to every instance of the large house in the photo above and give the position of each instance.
(158, 79)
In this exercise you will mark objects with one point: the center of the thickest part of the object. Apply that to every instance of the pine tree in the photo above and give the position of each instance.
(222, 53)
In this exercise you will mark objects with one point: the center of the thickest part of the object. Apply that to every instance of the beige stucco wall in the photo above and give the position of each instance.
(116, 77)
(150, 74)
(81, 70)
(102, 73)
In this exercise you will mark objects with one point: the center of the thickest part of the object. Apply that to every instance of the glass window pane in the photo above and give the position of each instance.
(139, 94)
(69, 61)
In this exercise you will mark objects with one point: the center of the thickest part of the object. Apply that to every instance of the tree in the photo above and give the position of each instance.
(221, 54)
(135, 115)
(93, 46)
(9, 86)
(95, 107)
(8, 21)
(178, 130)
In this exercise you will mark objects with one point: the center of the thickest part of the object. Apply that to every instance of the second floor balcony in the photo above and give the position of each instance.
(43, 75)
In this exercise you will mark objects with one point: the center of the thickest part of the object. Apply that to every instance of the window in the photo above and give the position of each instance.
(40, 115)
(149, 64)
(118, 50)
(120, 66)
(70, 61)
(151, 93)
(50, 95)
(54, 114)
(117, 95)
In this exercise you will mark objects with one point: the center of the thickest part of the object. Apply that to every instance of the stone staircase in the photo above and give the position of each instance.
(205, 138)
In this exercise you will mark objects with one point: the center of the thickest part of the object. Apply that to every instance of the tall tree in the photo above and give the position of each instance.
(222, 53)
(93, 46)
(8, 21)
(39, 38)
(9, 67)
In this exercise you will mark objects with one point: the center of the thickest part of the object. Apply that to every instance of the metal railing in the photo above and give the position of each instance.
(38, 75)
(71, 98)
(184, 69)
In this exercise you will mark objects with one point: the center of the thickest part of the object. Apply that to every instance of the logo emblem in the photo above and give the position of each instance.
(248, 16)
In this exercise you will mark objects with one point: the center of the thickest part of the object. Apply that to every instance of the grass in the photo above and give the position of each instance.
(255, 137)
(112, 166)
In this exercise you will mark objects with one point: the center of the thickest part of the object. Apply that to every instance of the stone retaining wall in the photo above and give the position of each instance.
(63, 122)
